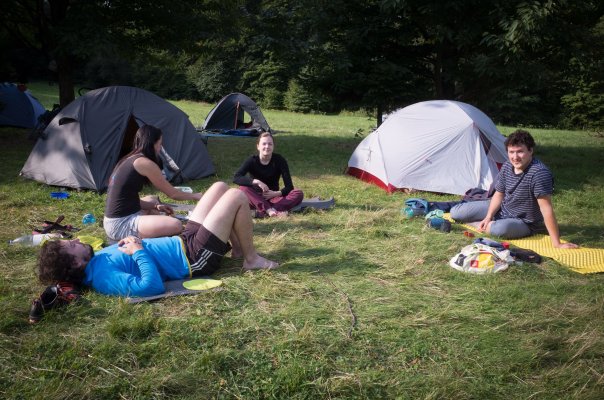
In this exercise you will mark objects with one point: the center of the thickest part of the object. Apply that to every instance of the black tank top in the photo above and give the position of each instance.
(124, 186)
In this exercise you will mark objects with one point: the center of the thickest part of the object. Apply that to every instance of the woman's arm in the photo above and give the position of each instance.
(288, 185)
(240, 178)
(149, 169)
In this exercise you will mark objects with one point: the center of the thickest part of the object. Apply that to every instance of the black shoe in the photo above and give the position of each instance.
(54, 296)
(525, 255)
(36, 311)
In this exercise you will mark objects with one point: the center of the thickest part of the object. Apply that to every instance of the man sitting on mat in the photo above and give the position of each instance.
(135, 267)
(522, 203)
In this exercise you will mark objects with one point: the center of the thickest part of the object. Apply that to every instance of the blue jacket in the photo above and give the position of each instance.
(112, 272)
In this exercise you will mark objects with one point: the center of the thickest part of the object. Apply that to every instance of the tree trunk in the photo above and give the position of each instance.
(65, 78)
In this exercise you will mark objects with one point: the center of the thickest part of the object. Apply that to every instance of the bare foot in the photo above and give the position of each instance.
(260, 263)
(274, 213)
(236, 254)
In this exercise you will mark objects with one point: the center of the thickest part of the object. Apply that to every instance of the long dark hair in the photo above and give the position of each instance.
(144, 140)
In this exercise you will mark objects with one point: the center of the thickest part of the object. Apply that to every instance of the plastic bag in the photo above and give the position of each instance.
(478, 258)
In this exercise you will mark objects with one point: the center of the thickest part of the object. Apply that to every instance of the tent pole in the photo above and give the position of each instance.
(236, 115)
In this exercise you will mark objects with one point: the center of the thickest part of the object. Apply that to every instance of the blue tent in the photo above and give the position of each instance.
(18, 107)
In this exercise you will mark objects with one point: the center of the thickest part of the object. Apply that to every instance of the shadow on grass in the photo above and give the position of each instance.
(572, 167)
(328, 155)
(584, 235)
(317, 259)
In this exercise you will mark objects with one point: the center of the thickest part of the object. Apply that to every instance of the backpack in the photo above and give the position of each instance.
(478, 258)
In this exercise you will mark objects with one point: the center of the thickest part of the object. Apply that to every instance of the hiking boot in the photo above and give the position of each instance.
(54, 296)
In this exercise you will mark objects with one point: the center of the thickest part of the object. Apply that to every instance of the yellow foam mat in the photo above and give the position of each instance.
(583, 260)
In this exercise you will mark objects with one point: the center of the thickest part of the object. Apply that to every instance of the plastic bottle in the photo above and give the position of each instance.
(407, 212)
(34, 240)
(88, 219)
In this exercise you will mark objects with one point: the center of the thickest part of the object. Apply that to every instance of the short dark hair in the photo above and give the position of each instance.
(56, 266)
(520, 137)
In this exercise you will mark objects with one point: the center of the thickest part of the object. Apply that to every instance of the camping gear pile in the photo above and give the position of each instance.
(434, 217)
(478, 258)
(485, 255)
(437, 146)
(82, 144)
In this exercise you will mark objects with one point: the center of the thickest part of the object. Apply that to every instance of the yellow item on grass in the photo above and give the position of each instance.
(95, 242)
(583, 260)
(202, 284)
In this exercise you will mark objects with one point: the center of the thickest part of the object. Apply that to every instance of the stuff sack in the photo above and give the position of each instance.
(481, 259)
(415, 207)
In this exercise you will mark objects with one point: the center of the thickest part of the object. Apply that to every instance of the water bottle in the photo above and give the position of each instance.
(34, 240)
(88, 219)
(407, 212)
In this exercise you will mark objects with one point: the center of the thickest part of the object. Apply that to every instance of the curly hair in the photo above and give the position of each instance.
(54, 265)
(520, 137)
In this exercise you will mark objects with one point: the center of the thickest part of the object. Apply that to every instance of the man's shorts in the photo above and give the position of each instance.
(204, 249)
(119, 228)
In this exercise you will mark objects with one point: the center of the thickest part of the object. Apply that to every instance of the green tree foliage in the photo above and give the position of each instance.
(583, 103)
(534, 62)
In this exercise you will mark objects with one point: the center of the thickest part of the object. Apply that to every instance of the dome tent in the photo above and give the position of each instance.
(229, 113)
(18, 107)
(436, 146)
(82, 144)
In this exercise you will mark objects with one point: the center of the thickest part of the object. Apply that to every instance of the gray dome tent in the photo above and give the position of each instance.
(228, 115)
(82, 144)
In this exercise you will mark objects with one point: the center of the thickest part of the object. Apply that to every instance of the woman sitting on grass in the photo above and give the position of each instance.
(128, 215)
(262, 185)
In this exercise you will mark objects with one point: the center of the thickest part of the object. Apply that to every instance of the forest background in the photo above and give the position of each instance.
(531, 63)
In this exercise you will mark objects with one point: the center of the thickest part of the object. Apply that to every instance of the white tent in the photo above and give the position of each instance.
(436, 146)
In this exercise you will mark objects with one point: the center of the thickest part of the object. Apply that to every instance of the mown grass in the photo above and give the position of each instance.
(364, 306)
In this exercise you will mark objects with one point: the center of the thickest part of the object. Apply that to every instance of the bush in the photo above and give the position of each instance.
(265, 83)
(299, 99)
(103, 70)
(164, 74)
(212, 79)
(583, 109)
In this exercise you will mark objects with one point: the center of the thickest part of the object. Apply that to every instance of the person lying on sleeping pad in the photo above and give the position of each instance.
(135, 267)
(522, 203)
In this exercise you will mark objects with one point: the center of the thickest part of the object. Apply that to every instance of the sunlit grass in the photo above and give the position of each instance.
(364, 306)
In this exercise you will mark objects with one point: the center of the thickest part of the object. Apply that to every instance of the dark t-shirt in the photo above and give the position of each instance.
(520, 191)
(124, 186)
(269, 174)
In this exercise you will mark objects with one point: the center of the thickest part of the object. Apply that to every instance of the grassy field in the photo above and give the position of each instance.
(364, 306)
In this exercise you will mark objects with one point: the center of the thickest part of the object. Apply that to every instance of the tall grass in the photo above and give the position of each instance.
(364, 305)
